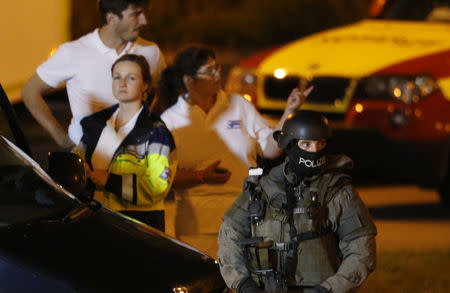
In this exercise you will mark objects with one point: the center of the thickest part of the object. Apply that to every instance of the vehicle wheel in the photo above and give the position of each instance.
(444, 189)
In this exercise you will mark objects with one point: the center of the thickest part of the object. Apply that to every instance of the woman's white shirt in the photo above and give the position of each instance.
(110, 140)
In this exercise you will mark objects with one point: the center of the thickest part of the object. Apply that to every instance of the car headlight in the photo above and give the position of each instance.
(242, 80)
(404, 88)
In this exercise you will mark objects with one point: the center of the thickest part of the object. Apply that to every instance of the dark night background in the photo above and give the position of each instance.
(231, 23)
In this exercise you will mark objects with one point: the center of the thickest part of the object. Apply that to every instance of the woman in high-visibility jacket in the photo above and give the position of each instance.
(128, 151)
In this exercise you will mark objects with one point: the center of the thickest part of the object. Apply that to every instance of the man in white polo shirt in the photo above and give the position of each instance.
(85, 66)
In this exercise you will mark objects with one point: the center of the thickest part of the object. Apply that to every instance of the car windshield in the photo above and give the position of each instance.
(27, 193)
(429, 10)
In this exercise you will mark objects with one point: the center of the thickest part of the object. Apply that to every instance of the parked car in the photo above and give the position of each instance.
(55, 238)
(383, 83)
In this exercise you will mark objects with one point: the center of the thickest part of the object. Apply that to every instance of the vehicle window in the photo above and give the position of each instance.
(440, 13)
(431, 10)
(27, 193)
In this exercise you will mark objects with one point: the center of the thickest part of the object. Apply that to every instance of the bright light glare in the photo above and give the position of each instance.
(359, 108)
(249, 78)
(180, 290)
(52, 51)
(280, 73)
(247, 97)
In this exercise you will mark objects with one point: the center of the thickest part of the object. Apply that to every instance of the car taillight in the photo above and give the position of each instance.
(404, 88)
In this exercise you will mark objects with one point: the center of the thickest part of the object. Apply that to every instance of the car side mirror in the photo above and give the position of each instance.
(68, 170)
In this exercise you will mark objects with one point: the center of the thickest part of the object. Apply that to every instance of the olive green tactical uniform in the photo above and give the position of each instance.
(339, 257)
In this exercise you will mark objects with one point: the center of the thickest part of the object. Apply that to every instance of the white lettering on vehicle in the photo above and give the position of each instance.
(396, 40)
(312, 164)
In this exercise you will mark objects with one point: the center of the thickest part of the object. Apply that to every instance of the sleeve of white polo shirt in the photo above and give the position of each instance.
(256, 125)
(161, 61)
(159, 67)
(57, 68)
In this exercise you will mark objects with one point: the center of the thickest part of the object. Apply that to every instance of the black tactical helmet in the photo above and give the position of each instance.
(304, 124)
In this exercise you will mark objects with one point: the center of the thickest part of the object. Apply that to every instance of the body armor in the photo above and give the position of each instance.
(317, 255)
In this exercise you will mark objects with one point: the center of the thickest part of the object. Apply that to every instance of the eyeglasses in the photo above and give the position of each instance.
(209, 72)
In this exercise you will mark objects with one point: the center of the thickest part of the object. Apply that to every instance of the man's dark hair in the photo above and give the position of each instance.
(117, 6)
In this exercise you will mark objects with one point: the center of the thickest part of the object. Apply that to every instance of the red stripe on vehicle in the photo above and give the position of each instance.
(436, 64)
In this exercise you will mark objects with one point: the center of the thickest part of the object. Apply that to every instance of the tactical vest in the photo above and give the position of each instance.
(317, 256)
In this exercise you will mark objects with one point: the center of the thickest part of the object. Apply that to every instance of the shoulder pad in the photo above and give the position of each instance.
(272, 187)
(355, 220)
(339, 162)
(276, 173)
(335, 183)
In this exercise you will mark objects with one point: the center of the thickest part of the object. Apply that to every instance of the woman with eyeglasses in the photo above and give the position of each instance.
(218, 137)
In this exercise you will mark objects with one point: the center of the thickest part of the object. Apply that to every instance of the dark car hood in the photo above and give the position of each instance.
(46, 234)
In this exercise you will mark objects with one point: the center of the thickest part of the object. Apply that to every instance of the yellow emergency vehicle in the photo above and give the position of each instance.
(384, 84)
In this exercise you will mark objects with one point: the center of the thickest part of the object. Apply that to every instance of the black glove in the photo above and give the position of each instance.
(321, 289)
(248, 286)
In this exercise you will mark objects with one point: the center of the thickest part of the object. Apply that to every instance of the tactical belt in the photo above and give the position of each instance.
(285, 246)
(312, 234)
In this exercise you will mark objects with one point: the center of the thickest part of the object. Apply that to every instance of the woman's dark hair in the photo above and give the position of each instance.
(187, 62)
(145, 69)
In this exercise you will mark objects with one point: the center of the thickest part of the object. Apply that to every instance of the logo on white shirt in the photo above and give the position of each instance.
(234, 124)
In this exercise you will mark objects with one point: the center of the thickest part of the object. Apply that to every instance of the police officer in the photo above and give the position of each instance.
(302, 227)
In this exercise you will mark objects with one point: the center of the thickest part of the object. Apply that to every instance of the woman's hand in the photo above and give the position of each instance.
(99, 177)
(213, 174)
(296, 99)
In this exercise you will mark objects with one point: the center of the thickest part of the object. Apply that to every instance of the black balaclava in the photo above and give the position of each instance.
(303, 163)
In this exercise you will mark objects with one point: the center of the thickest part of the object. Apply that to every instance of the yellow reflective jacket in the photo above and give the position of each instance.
(143, 167)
